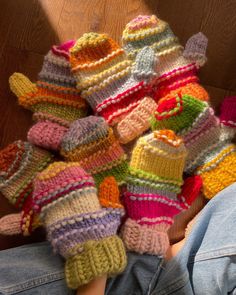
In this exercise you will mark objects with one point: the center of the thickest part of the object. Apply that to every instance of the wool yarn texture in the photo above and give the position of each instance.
(19, 164)
(209, 147)
(91, 142)
(153, 195)
(78, 227)
(114, 87)
(175, 67)
(54, 99)
(228, 111)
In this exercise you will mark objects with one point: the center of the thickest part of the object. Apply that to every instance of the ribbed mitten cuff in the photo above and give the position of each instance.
(23, 88)
(10, 224)
(137, 121)
(145, 239)
(104, 257)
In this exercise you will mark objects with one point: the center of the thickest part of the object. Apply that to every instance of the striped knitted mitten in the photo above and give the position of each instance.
(19, 164)
(153, 192)
(54, 99)
(77, 226)
(176, 68)
(210, 152)
(112, 86)
(91, 143)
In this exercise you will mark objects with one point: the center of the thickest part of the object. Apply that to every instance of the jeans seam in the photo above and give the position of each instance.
(35, 282)
(155, 277)
(180, 282)
(213, 254)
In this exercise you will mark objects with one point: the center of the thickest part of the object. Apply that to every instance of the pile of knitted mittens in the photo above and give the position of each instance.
(150, 143)
(182, 103)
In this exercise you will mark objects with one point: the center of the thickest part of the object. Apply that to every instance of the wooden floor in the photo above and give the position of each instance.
(28, 28)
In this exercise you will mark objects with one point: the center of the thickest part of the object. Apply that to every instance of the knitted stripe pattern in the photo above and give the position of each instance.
(196, 122)
(107, 81)
(78, 227)
(19, 164)
(54, 99)
(54, 96)
(219, 170)
(91, 143)
(178, 79)
(181, 86)
(154, 182)
(205, 139)
(175, 67)
(103, 74)
(147, 30)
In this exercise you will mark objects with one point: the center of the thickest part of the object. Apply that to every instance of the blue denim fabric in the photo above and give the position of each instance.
(205, 265)
(32, 269)
(207, 262)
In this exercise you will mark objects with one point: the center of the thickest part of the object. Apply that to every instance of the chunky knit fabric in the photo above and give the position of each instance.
(154, 182)
(108, 80)
(137, 121)
(47, 134)
(77, 226)
(54, 98)
(228, 112)
(219, 170)
(146, 30)
(91, 143)
(203, 135)
(176, 68)
(19, 164)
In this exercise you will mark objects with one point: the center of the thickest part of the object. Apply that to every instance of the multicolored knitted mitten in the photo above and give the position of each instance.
(91, 143)
(210, 152)
(19, 164)
(153, 194)
(114, 88)
(77, 226)
(176, 68)
(54, 99)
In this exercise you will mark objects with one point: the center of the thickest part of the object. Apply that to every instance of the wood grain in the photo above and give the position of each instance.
(28, 29)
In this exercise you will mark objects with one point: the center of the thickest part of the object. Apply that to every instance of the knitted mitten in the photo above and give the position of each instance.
(77, 226)
(112, 86)
(210, 152)
(19, 164)
(54, 99)
(176, 68)
(153, 192)
(228, 112)
(91, 143)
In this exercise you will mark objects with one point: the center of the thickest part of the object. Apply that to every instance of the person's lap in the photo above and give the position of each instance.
(207, 262)
(205, 265)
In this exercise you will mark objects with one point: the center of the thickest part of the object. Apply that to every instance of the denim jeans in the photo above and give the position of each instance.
(205, 265)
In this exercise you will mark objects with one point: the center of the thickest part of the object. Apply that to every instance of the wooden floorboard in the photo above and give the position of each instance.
(28, 29)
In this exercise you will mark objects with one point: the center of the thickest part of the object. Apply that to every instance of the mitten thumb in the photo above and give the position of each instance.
(22, 87)
(145, 64)
(109, 195)
(195, 49)
(190, 191)
(10, 224)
